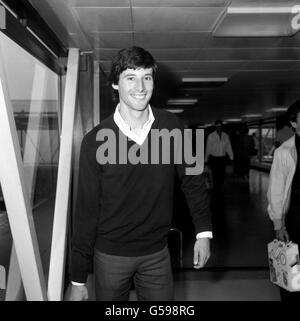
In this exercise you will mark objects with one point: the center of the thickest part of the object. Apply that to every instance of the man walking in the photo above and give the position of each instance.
(123, 210)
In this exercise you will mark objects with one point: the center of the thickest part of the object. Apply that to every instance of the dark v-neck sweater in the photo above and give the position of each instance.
(125, 209)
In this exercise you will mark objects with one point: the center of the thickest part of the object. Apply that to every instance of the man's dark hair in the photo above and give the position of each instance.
(293, 111)
(131, 58)
(218, 122)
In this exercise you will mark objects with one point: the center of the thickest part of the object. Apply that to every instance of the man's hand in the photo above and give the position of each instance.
(201, 252)
(282, 234)
(78, 293)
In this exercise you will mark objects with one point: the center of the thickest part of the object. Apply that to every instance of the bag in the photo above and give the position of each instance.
(284, 265)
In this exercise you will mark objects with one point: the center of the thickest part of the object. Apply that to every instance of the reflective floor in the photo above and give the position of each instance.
(231, 285)
(238, 267)
(241, 226)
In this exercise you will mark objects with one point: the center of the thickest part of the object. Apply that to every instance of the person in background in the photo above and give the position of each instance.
(245, 150)
(124, 211)
(235, 141)
(218, 147)
(284, 189)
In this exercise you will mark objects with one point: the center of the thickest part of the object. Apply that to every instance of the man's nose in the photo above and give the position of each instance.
(140, 85)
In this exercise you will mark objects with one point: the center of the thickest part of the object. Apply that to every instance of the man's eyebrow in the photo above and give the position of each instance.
(148, 74)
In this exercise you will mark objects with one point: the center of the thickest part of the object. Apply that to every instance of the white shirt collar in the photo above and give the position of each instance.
(137, 136)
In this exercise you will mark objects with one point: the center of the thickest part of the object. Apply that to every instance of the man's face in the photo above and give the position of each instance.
(135, 88)
(218, 128)
(296, 124)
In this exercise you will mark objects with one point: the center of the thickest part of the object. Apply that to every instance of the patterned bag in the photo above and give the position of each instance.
(284, 265)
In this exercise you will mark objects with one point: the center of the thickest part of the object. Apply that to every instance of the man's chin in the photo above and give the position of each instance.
(142, 107)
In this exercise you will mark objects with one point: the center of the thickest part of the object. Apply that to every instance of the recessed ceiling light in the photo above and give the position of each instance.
(233, 119)
(204, 126)
(252, 115)
(276, 109)
(184, 101)
(175, 111)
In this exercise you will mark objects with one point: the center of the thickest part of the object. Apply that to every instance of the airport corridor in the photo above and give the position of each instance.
(238, 267)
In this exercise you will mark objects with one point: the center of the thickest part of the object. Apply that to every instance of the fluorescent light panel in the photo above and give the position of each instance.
(187, 101)
(276, 109)
(252, 115)
(233, 119)
(204, 79)
(257, 20)
(204, 126)
(260, 9)
(175, 111)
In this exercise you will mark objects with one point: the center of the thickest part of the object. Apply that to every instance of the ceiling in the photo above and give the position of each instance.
(194, 38)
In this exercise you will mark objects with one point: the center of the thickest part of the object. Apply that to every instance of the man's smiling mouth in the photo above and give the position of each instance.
(139, 97)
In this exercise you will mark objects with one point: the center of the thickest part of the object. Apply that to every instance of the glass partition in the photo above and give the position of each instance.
(33, 91)
(268, 135)
(264, 132)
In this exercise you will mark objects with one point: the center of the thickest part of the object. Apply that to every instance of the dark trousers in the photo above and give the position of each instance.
(245, 166)
(218, 166)
(151, 274)
(292, 223)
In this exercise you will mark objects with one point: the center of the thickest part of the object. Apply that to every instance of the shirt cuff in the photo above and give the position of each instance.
(204, 235)
(77, 283)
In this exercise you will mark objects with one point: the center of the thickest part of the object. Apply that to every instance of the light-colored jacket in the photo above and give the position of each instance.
(280, 183)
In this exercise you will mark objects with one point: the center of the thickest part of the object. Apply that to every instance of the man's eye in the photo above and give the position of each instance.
(130, 78)
(148, 78)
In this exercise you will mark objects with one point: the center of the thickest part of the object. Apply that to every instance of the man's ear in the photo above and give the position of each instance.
(294, 124)
(115, 87)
